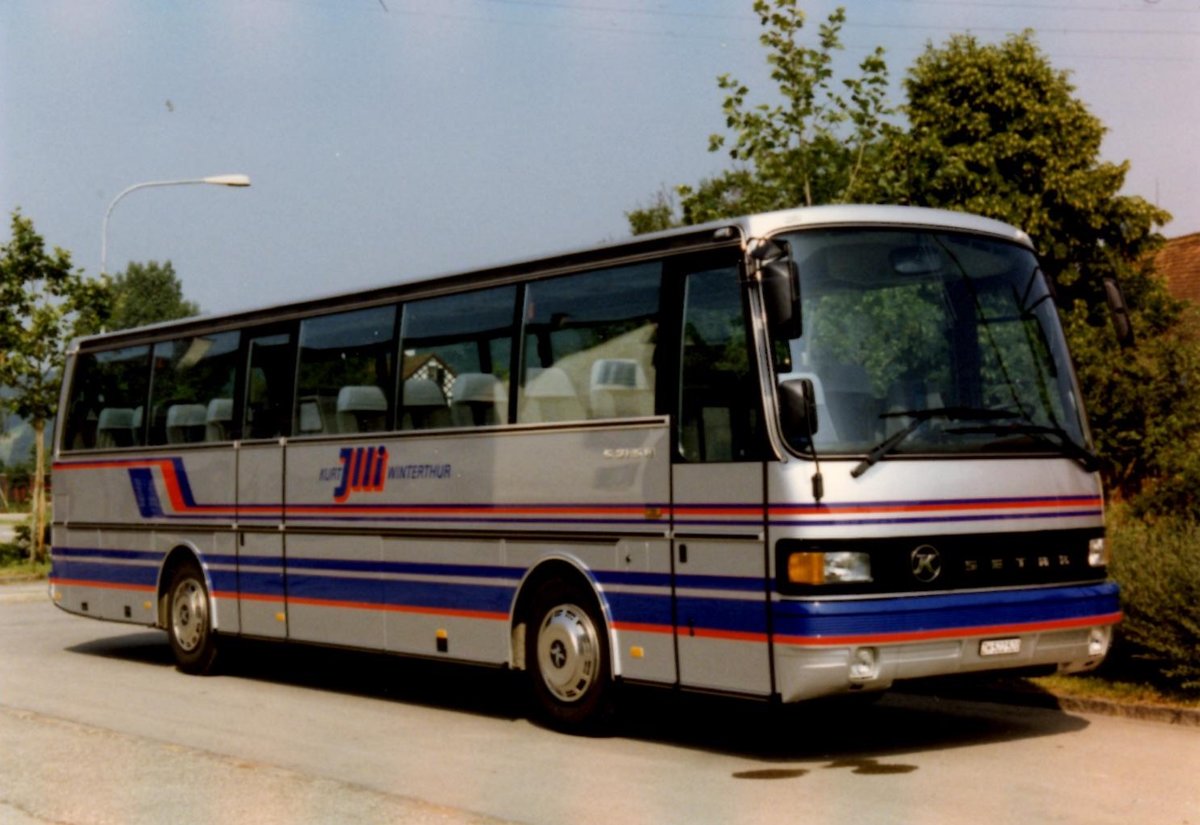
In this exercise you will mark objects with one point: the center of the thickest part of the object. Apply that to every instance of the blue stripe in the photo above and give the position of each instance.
(380, 593)
(103, 553)
(269, 585)
(634, 579)
(640, 608)
(118, 574)
(732, 615)
(943, 611)
(740, 584)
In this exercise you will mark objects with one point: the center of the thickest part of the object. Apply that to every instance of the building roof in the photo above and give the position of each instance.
(1179, 263)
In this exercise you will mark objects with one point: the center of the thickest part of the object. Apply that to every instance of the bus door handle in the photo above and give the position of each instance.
(683, 554)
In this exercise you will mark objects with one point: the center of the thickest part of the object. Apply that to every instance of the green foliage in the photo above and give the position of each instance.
(46, 305)
(818, 143)
(17, 551)
(1157, 564)
(997, 131)
(146, 294)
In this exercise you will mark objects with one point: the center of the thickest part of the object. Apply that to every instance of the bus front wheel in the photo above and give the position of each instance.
(567, 657)
(189, 621)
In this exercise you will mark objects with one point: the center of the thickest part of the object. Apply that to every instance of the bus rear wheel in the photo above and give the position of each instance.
(189, 621)
(567, 657)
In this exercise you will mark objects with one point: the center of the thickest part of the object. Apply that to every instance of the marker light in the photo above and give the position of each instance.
(1098, 552)
(828, 568)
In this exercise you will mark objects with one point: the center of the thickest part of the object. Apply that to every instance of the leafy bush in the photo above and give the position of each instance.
(16, 551)
(1157, 564)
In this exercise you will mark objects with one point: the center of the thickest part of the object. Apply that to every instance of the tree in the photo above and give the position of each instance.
(994, 129)
(146, 294)
(818, 144)
(46, 305)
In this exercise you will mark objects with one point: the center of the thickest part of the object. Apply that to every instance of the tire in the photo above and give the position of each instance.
(567, 659)
(189, 621)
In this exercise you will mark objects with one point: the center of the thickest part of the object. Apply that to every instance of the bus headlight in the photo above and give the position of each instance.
(1098, 552)
(815, 567)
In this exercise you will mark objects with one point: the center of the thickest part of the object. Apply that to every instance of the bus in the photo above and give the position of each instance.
(790, 455)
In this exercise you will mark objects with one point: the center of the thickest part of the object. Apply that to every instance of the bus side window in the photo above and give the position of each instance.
(719, 415)
(456, 359)
(346, 372)
(269, 370)
(191, 388)
(108, 397)
(589, 345)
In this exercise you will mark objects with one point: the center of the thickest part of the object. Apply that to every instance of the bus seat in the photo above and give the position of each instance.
(549, 395)
(619, 389)
(219, 420)
(114, 427)
(310, 421)
(425, 406)
(186, 423)
(478, 399)
(361, 409)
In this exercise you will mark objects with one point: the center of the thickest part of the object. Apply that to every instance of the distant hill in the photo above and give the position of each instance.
(16, 436)
(16, 441)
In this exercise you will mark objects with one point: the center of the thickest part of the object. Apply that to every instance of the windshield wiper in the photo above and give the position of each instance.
(1065, 444)
(919, 417)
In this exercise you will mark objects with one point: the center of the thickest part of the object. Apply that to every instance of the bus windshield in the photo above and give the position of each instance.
(921, 342)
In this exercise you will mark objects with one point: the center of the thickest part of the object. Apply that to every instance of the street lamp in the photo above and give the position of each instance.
(237, 180)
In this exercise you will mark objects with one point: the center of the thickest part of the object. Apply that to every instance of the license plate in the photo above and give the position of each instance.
(999, 647)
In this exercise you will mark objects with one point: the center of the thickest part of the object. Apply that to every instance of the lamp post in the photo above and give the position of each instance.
(238, 180)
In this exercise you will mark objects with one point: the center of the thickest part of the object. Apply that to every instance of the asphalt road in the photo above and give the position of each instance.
(96, 726)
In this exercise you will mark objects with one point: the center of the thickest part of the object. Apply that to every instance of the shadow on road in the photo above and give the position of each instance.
(849, 732)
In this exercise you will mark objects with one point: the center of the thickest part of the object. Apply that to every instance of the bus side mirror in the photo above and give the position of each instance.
(780, 282)
(781, 294)
(1119, 312)
(798, 406)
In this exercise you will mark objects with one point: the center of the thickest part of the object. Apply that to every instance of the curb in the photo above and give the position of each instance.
(23, 590)
(1035, 698)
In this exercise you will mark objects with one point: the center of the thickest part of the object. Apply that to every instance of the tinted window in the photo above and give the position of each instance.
(269, 371)
(589, 345)
(457, 357)
(719, 415)
(108, 399)
(191, 394)
(345, 378)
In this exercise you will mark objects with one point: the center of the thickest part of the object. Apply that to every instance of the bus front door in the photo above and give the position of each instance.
(719, 559)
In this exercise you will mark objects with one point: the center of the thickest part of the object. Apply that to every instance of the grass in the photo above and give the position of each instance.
(22, 570)
(1112, 688)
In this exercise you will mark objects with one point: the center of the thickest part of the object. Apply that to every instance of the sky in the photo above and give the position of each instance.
(393, 139)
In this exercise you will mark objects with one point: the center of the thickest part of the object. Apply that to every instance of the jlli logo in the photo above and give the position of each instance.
(364, 470)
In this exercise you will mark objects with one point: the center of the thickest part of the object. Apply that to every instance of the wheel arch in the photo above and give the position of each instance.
(179, 555)
(565, 568)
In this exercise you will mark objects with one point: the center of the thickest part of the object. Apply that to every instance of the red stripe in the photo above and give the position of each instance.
(1024, 504)
(141, 588)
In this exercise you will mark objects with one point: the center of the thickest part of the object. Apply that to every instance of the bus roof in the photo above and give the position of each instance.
(728, 231)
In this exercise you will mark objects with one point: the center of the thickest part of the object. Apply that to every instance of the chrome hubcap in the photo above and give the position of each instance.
(568, 651)
(189, 614)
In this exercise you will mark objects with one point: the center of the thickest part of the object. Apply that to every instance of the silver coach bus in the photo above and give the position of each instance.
(783, 456)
